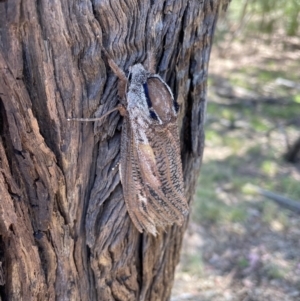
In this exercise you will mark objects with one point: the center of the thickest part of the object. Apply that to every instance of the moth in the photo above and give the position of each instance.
(150, 165)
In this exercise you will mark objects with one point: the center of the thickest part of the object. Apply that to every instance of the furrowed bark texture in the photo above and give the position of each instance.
(64, 230)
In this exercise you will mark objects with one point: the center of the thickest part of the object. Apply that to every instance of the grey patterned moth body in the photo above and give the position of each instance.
(150, 167)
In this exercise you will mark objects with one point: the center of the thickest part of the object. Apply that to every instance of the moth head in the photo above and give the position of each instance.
(154, 94)
(137, 74)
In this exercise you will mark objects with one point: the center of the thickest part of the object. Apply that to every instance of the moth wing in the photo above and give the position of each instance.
(166, 145)
(147, 164)
(164, 203)
(133, 187)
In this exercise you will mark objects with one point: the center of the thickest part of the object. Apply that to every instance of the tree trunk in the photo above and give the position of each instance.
(293, 153)
(64, 230)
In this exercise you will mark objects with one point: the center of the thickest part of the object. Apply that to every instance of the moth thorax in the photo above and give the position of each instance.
(137, 74)
(161, 99)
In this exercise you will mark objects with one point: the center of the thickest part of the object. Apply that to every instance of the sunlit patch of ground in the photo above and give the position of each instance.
(241, 246)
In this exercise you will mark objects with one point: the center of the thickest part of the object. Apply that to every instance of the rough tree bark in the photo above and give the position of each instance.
(64, 230)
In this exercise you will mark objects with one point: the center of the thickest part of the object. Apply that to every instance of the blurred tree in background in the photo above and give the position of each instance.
(263, 16)
(243, 239)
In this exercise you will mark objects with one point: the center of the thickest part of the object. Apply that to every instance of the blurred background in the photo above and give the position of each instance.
(243, 240)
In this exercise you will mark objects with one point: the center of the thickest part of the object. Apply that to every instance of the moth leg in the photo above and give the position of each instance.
(122, 110)
(121, 76)
(119, 73)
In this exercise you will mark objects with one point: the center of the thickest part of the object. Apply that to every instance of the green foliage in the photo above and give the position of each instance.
(243, 262)
(247, 162)
(209, 205)
(193, 264)
(265, 16)
(269, 212)
(269, 168)
(296, 98)
(275, 272)
(290, 186)
(252, 115)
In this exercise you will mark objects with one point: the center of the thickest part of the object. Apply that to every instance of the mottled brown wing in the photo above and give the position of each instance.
(165, 143)
(149, 204)
(129, 178)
